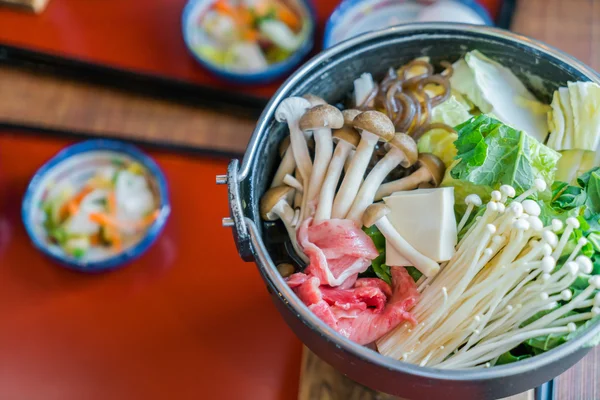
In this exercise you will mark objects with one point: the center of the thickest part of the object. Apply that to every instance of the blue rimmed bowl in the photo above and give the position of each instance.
(354, 17)
(193, 37)
(75, 165)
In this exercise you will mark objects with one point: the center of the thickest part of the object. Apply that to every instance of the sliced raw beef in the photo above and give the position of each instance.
(338, 251)
(360, 313)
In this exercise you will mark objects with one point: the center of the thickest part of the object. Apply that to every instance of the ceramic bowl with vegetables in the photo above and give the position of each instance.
(248, 41)
(96, 205)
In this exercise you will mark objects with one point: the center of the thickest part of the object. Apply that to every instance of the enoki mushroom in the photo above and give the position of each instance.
(505, 271)
(408, 95)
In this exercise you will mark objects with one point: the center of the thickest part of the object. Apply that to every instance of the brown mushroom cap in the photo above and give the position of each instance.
(270, 200)
(347, 134)
(376, 123)
(374, 213)
(434, 165)
(283, 146)
(314, 100)
(407, 146)
(286, 269)
(322, 116)
(349, 115)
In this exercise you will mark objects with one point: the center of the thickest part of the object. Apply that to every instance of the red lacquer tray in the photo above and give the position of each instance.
(189, 320)
(132, 35)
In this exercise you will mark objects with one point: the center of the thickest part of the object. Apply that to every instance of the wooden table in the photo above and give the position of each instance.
(132, 335)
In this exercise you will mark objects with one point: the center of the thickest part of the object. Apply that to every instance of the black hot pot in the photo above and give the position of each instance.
(330, 75)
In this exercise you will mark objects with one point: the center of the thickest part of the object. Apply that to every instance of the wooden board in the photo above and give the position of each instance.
(49, 102)
(320, 381)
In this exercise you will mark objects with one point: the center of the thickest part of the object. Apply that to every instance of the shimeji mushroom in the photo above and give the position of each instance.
(291, 110)
(373, 126)
(376, 214)
(431, 171)
(288, 163)
(403, 151)
(314, 100)
(347, 139)
(286, 269)
(320, 120)
(274, 205)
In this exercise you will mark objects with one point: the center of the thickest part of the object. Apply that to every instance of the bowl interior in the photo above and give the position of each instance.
(331, 75)
(74, 171)
(194, 38)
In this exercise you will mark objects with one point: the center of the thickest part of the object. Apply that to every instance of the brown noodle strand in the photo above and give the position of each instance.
(439, 81)
(404, 99)
(449, 69)
(435, 125)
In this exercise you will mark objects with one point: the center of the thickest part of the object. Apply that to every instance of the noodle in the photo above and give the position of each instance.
(403, 95)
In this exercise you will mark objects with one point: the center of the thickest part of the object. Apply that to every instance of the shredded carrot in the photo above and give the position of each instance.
(250, 35)
(95, 239)
(150, 218)
(103, 219)
(109, 221)
(224, 7)
(287, 16)
(244, 16)
(71, 207)
(111, 203)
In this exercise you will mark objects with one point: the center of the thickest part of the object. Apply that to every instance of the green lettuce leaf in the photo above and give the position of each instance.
(492, 154)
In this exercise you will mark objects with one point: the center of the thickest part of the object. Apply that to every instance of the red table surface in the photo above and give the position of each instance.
(138, 35)
(189, 320)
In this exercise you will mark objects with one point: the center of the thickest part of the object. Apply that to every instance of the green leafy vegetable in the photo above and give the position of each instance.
(567, 197)
(378, 266)
(492, 154)
(510, 357)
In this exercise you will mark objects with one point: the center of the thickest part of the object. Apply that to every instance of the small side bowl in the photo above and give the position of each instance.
(195, 7)
(349, 13)
(77, 163)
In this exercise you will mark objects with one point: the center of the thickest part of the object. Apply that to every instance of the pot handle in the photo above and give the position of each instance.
(236, 220)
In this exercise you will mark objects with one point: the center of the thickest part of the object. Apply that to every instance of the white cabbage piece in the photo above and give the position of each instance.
(574, 118)
(496, 91)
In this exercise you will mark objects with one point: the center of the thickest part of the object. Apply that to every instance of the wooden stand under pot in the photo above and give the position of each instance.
(320, 381)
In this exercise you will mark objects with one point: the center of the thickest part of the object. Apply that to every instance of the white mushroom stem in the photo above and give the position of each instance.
(406, 183)
(293, 182)
(299, 193)
(348, 160)
(291, 110)
(471, 201)
(287, 215)
(354, 175)
(287, 166)
(363, 86)
(425, 265)
(539, 185)
(366, 194)
(323, 150)
(572, 223)
(325, 204)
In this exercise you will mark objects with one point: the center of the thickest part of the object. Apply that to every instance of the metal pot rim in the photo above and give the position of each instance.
(285, 294)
